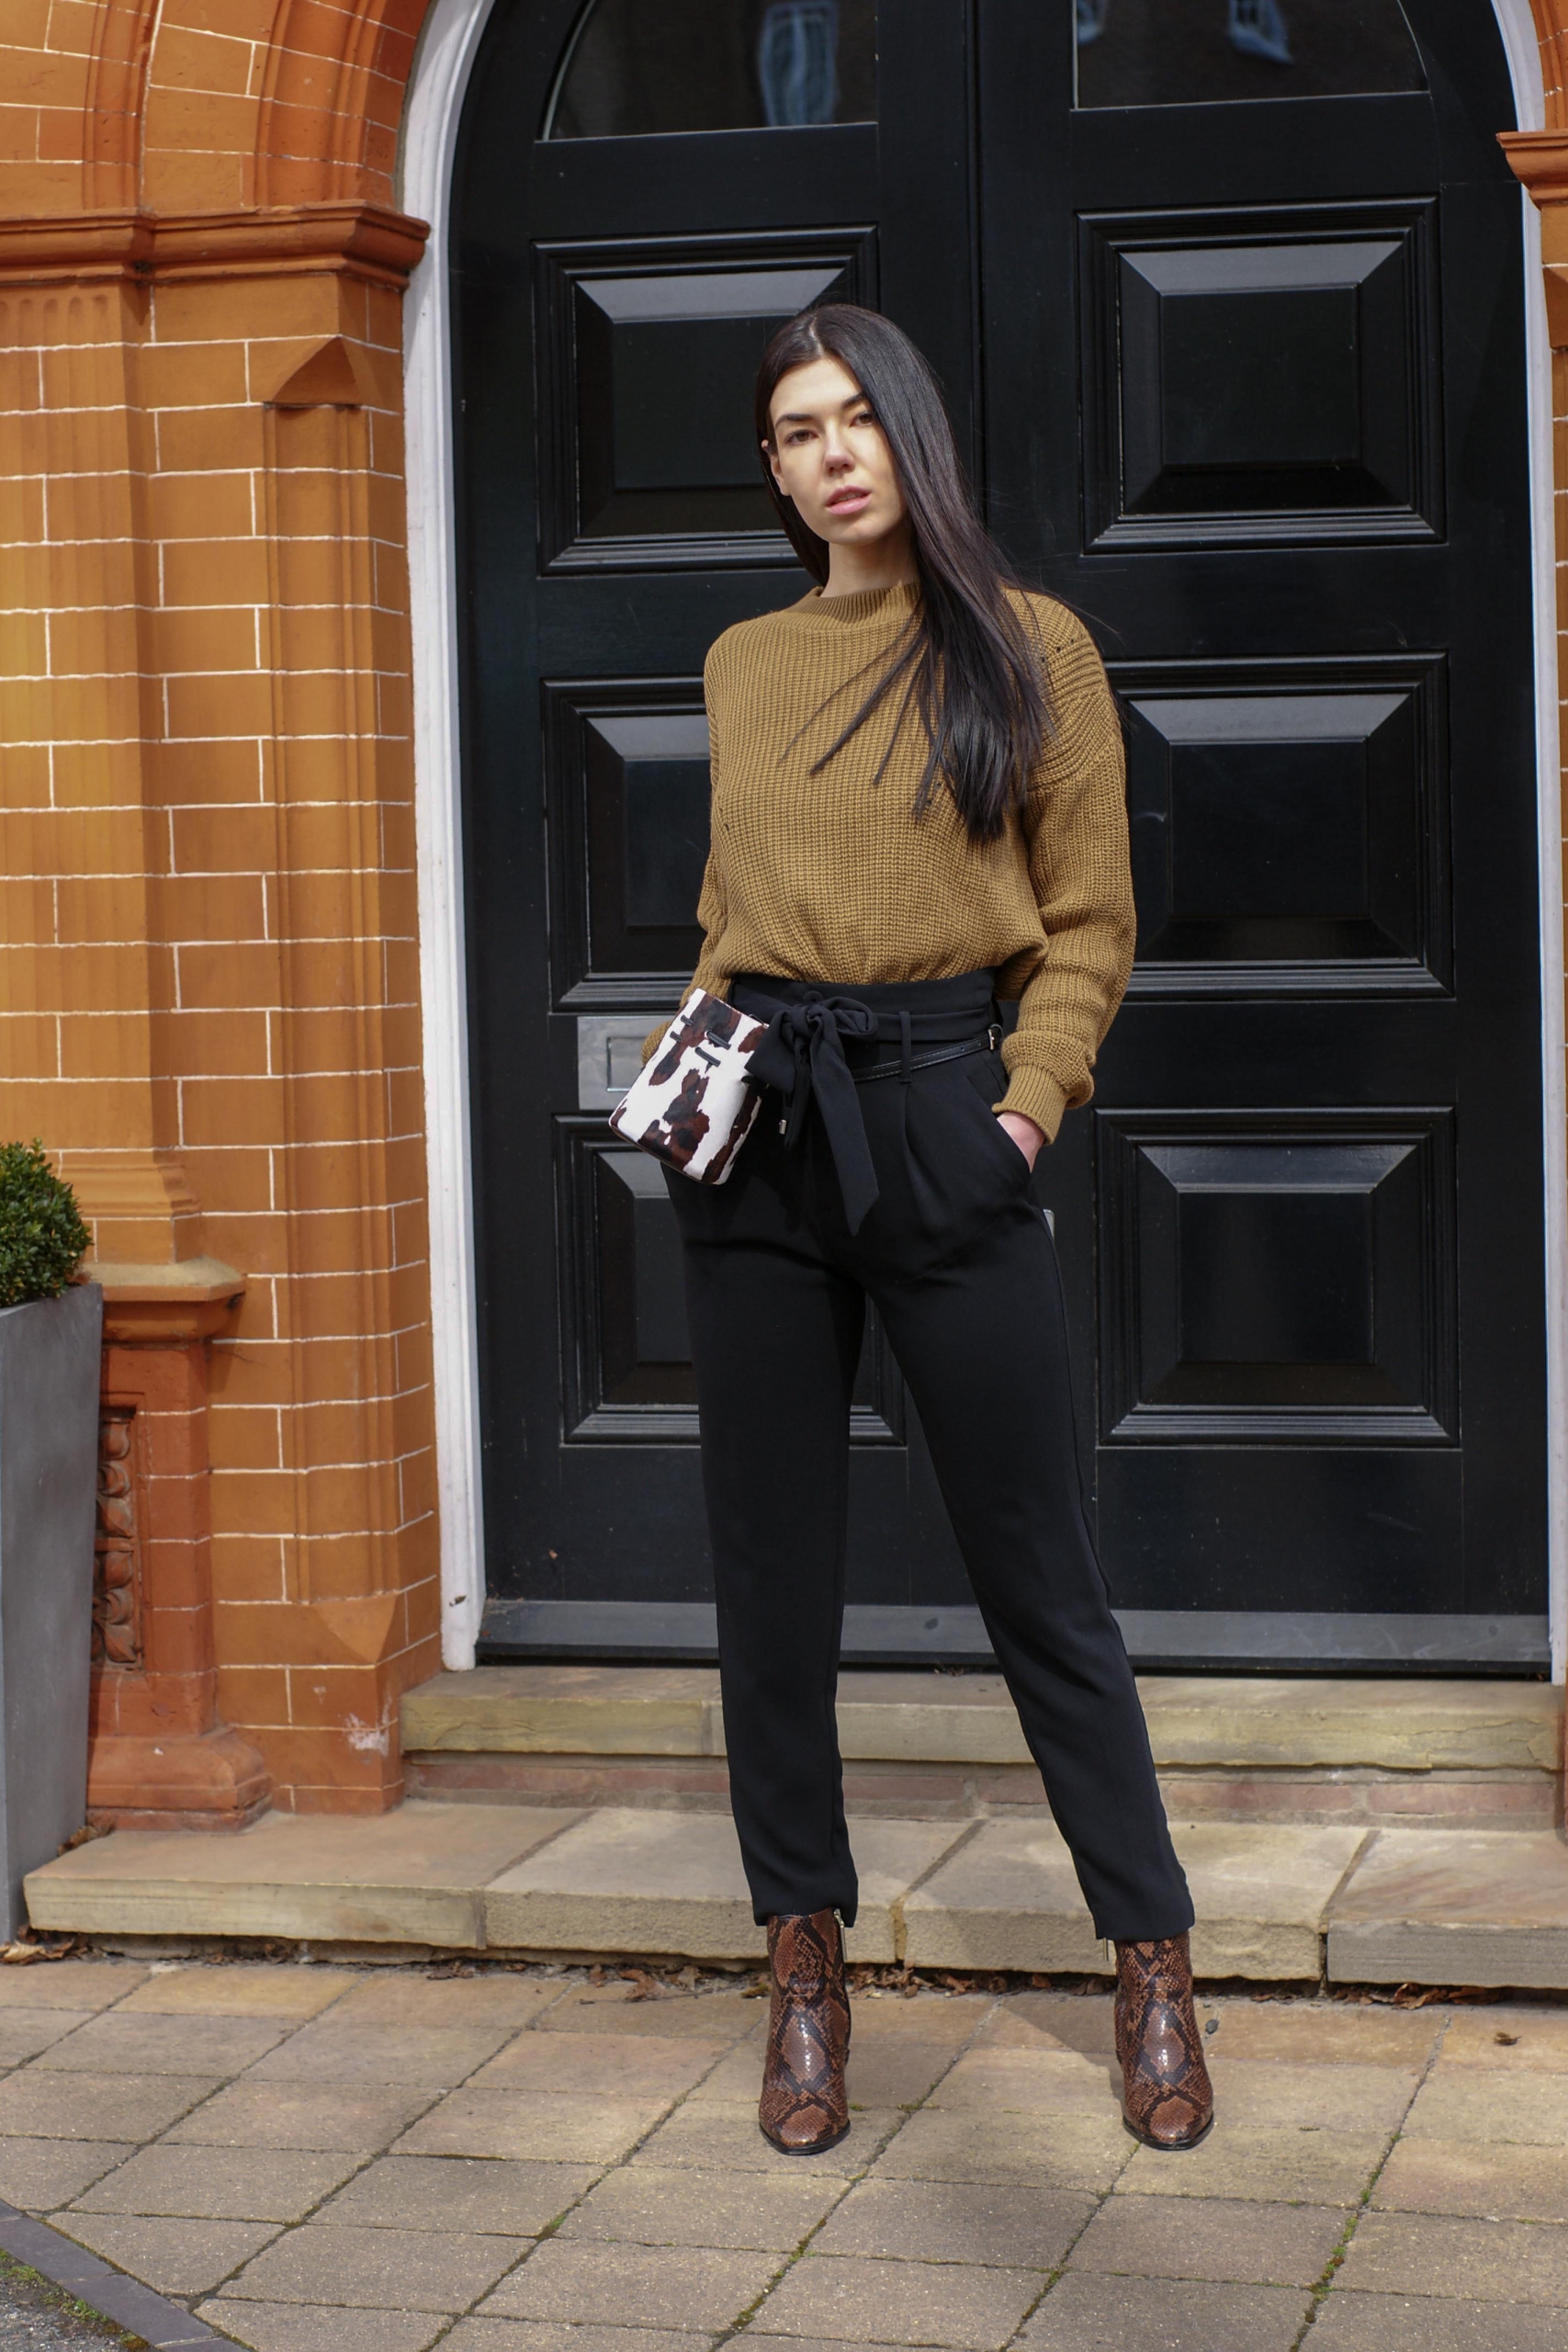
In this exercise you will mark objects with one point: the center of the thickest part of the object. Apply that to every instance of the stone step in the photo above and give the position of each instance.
(1313, 1750)
(1275, 1902)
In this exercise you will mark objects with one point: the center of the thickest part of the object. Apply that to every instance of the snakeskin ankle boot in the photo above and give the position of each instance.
(804, 2107)
(1167, 2100)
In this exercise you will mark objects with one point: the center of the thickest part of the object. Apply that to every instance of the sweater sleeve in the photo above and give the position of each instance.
(710, 901)
(1075, 826)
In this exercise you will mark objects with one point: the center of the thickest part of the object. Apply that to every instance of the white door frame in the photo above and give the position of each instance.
(437, 85)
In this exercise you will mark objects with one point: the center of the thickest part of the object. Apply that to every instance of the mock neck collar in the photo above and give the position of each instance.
(866, 606)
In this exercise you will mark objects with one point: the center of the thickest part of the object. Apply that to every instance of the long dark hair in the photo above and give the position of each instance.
(966, 661)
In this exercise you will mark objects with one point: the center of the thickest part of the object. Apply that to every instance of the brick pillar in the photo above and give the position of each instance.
(158, 1757)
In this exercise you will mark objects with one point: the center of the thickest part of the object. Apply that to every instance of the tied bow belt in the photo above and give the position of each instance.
(889, 1030)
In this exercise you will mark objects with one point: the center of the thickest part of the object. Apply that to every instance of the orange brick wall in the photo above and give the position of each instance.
(207, 926)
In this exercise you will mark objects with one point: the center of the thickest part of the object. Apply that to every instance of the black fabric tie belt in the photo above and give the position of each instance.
(803, 1056)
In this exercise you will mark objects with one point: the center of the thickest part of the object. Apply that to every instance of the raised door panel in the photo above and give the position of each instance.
(1289, 825)
(626, 817)
(646, 354)
(1274, 1278)
(1260, 377)
(625, 1342)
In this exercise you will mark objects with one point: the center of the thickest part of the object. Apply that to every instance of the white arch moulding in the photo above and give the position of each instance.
(437, 85)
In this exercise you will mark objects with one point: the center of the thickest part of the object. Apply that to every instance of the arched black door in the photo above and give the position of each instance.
(1232, 325)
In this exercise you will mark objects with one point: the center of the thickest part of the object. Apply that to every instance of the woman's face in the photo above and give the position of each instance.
(829, 455)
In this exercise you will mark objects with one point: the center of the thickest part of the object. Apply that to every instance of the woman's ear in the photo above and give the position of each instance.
(772, 455)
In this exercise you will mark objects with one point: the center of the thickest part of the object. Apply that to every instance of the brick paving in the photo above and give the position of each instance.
(322, 2158)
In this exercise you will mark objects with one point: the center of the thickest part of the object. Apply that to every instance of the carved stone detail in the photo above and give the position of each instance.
(117, 1601)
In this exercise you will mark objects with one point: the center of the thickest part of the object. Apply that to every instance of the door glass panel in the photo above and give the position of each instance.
(639, 66)
(1194, 52)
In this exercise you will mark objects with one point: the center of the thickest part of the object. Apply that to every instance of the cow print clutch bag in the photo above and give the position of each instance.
(692, 1105)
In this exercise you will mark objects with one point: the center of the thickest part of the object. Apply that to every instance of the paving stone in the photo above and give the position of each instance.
(713, 2137)
(1356, 2322)
(940, 2220)
(1475, 2177)
(597, 2065)
(220, 2184)
(738, 2076)
(422, 2271)
(176, 2257)
(301, 2115)
(493, 1998)
(1439, 1906)
(944, 2020)
(1325, 2033)
(496, 2198)
(304, 2328)
(139, 2045)
(412, 1876)
(1517, 2038)
(23, 2033)
(851, 2299)
(1009, 1898)
(545, 2130)
(1026, 2082)
(976, 2144)
(552, 2335)
(1323, 2164)
(1411, 2254)
(890, 2073)
(41, 2174)
(646, 2205)
(69, 1983)
(1087, 2315)
(233, 1990)
(1476, 2103)
(95, 2107)
(1217, 2238)
(336, 2050)
(649, 1880)
(621, 2286)
(1354, 2098)
(619, 2007)
(1084, 2022)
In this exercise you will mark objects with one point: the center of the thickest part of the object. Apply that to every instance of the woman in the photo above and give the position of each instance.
(917, 807)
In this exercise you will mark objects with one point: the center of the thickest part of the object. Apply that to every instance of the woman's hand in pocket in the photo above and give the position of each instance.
(1023, 1132)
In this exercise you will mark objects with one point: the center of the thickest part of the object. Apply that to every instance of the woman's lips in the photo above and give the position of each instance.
(845, 502)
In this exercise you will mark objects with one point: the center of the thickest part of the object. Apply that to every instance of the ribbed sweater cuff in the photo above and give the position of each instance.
(1035, 1094)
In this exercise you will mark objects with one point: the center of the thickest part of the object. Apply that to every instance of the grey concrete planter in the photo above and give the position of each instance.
(48, 1453)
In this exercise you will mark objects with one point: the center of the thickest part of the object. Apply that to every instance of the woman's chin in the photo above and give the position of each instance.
(853, 530)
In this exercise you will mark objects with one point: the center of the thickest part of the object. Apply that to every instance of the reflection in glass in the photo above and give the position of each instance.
(1192, 52)
(636, 66)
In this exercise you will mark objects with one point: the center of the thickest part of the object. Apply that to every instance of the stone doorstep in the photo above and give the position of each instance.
(1332, 1795)
(1427, 1906)
(1451, 1907)
(1237, 1722)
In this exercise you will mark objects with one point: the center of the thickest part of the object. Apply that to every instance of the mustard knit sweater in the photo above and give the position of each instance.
(831, 877)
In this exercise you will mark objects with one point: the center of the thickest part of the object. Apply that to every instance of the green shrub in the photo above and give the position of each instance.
(42, 1234)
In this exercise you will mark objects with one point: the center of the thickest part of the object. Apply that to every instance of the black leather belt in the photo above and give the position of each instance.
(802, 1056)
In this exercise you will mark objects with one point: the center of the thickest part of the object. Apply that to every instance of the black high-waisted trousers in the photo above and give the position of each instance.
(962, 1267)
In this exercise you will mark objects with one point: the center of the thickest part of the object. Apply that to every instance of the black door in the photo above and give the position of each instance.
(1233, 326)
